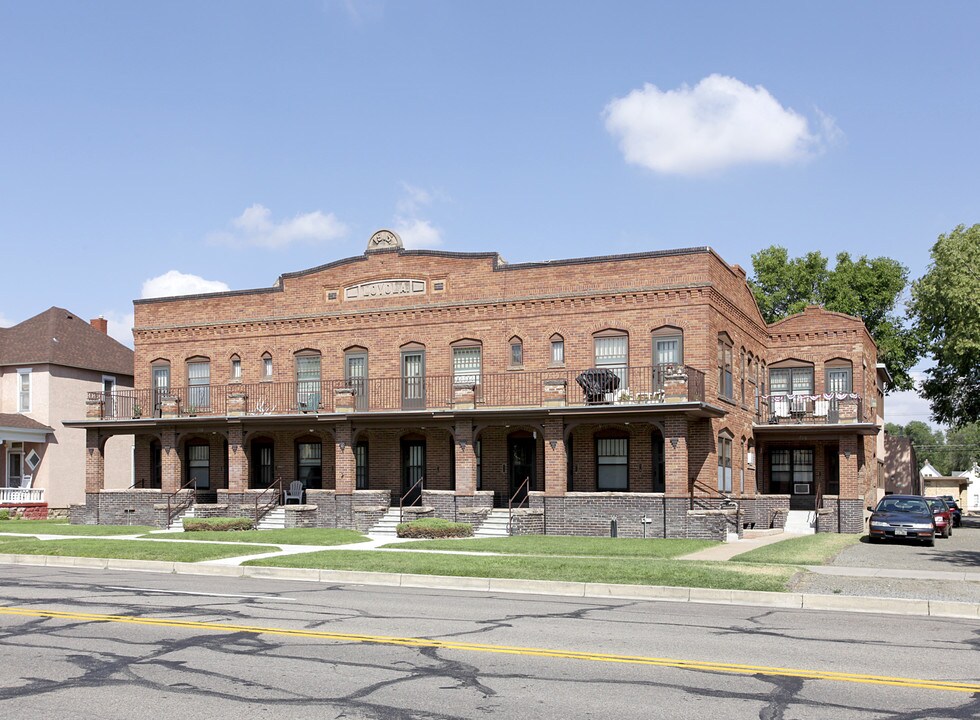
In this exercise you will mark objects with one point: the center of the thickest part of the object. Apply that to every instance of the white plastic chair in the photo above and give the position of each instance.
(293, 492)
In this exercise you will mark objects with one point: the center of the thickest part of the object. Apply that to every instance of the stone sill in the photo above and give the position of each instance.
(298, 508)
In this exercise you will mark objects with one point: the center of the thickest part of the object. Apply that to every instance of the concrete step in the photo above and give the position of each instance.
(800, 522)
(496, 524)
(763, 532)
(178, 523)
(273, 520)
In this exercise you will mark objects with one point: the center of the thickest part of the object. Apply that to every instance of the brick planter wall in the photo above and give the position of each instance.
(27, 511)
(527, 522)
(121, 507)
(366, 508)
(301, 516)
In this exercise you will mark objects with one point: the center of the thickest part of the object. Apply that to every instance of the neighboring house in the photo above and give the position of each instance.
(48, 365)
(901, 466)
(935, 483)
(973, 488)
(643, 388)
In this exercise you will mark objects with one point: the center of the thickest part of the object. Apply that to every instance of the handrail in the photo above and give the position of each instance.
(726, 497)
(277, 484)
(171, 512)
(401, 500)
(525, 486)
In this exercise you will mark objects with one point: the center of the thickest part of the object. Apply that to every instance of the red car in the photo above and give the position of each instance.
(943, 516)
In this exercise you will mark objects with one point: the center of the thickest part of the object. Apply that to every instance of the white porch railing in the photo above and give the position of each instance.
(10, 495)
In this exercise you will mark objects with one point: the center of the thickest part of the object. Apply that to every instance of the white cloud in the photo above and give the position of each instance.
(718, 123)
(174, 282)
(4, 322)
(120, 326)
(415, 231)
(256, 227)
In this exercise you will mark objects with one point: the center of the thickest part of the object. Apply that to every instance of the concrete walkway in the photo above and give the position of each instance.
(728, 550)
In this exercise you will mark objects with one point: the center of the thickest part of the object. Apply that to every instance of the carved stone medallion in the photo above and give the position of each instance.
(384, 240)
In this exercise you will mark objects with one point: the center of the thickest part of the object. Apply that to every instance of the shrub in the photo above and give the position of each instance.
(4, 514)
(217, 524)
(434, 528)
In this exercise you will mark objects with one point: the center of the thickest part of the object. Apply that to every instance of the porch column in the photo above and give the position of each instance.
(465, 457)
(345, 465)
(848, 458)
(555, 458)
(170, 475)
(237, 464)
(94, 461)
(675, 457)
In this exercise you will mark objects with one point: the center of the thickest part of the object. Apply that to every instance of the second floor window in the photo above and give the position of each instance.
(467, 365)
(612, 353)
(516, 352)
(725, 385)
(23, 391)
(791, 381)
(266, 367)
(308, 381)
(668, 346)
(236, 368)
(557, 350)
(199, 384)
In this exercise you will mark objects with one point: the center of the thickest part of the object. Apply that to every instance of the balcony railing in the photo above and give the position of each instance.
(531, 389)
(829, 409)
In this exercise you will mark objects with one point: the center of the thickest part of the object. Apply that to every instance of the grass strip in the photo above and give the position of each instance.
(290, 536)
(130, 549)
(818, 549)
(567, 546)
(61, 527)
(626, 571)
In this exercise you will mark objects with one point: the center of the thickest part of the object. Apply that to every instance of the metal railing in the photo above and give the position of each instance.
(173, 507)
(643, 385)
(412, 497)
(263, 504)
(830, 409)
(520, 499)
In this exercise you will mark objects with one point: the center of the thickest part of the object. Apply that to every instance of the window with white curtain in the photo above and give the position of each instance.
(467, 365)
(612, 353)
(199, 384)
(612, 463)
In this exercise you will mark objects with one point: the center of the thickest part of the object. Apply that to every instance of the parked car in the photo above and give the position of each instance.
(955, 507)
(902, 517)
(942, 515)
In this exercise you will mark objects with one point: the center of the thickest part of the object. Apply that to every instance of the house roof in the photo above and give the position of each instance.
(21, 422)
(59, 337)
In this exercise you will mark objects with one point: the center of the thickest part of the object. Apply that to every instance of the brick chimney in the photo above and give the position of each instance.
(100, 324)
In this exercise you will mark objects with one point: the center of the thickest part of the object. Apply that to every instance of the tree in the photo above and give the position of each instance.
(868, 288)
(946, 307)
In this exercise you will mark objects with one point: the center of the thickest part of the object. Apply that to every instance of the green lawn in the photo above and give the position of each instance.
(567, 546)
(129, 549)
(816, 549)
(291, 536)
(62, 527)
(624, 571)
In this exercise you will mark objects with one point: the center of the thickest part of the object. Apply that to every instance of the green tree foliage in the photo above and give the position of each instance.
(946, 307)
(868, 288)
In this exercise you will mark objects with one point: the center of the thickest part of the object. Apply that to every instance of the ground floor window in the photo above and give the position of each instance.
(361, 465)
(612, 463)
(790, 467)
(309, 469)
(724, 463)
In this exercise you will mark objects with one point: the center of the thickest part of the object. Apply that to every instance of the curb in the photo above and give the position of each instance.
(656, 593)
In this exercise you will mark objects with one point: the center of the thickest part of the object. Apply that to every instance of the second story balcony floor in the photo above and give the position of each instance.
(414, 391)
(786, 411)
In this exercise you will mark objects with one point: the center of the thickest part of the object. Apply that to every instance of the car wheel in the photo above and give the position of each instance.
(945, 532)
(949, 530)
(930, 542)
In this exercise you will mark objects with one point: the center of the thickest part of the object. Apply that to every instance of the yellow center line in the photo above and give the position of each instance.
(697, 665)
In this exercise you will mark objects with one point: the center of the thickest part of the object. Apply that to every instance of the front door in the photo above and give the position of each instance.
(15, 469)
(413, 381)
(803, 490)
(161, 387)
(521, 466)
(413, 471)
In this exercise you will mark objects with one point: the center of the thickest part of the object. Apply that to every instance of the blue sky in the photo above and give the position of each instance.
(150, 147)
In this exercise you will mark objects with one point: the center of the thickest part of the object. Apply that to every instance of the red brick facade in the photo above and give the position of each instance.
(670, 420)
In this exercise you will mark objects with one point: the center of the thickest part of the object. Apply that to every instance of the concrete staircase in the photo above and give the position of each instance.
(800, 522)
(495, 524)
(273, 520)
(178, 522)
(387, 525)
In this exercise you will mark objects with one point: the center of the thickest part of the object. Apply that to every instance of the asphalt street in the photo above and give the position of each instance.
(106, 644)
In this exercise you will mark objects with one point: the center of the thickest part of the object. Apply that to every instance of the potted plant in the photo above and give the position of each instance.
(137, 412)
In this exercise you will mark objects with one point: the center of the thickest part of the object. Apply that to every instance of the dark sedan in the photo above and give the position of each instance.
(902, 517)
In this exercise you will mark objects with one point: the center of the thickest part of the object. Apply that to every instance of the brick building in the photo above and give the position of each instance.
(644, 388)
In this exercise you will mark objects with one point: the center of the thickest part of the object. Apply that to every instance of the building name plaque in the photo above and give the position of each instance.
(384, 288)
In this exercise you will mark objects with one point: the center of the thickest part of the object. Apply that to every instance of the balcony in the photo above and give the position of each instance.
(829, 409)
(654, 385)
(18, 495)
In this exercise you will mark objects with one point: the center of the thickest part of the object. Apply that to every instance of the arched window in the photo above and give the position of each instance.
(557, 350)
(516, 352)
(308, 380)
(838, 376)
(668, 346)
(467, 362)
(725, 461)
(612, 353)
(236, 368)
(725, 385)
(413, 376)
(309, 458)
(356, 375)
(266, 366)
(198, 384)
